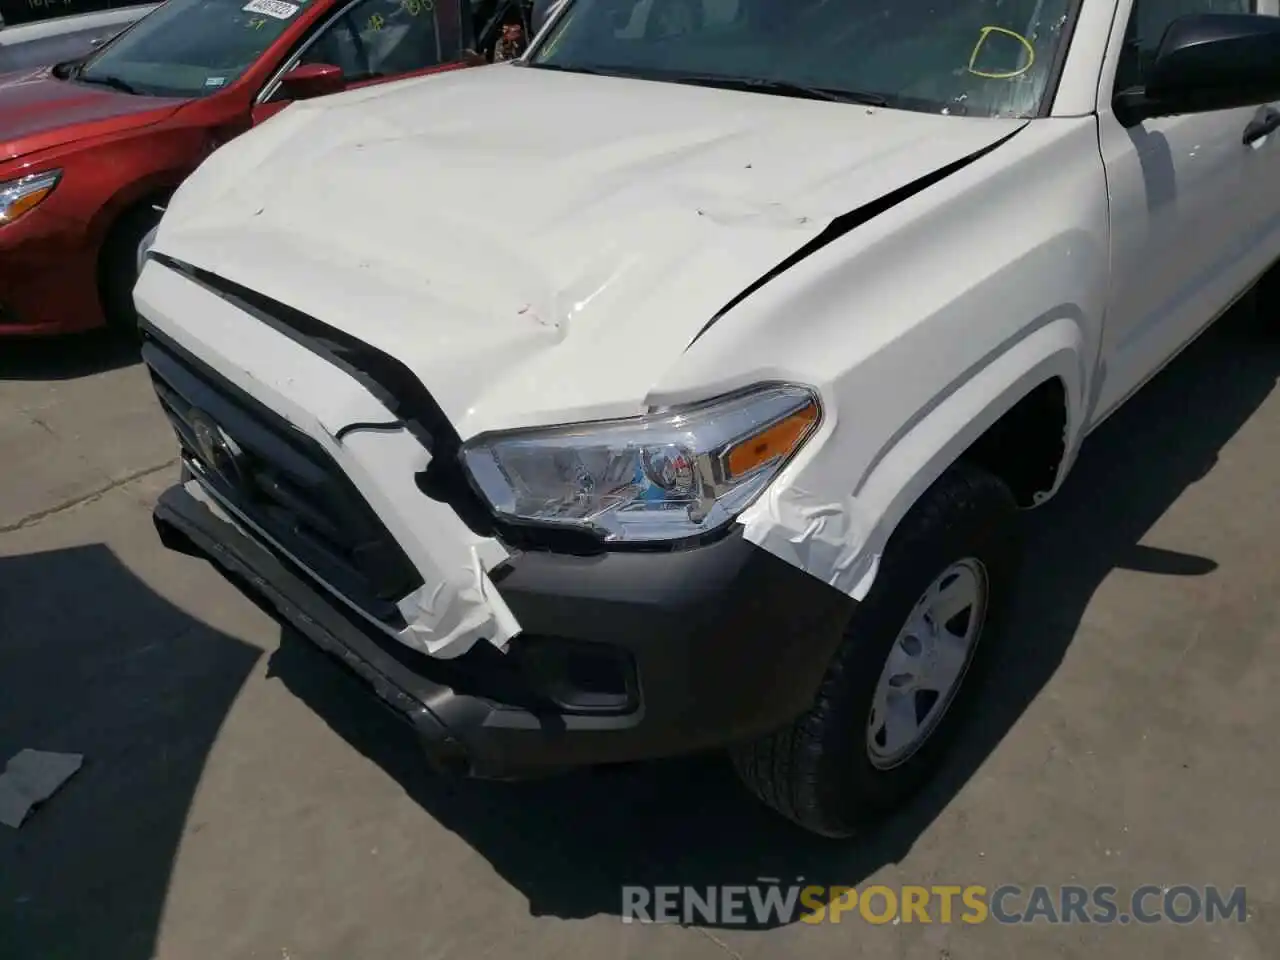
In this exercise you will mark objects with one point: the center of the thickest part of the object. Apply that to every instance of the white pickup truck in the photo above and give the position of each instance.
(679, 386)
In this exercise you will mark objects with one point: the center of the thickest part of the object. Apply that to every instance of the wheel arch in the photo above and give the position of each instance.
(115, 222)
(1005, 399)
(154, 188)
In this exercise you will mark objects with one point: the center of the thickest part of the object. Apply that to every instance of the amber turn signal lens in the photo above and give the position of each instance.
(779, 439)
(22, 205)
(18, 197)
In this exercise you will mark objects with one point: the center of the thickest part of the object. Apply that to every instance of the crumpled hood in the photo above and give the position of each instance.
(533, 243)
(39, 111)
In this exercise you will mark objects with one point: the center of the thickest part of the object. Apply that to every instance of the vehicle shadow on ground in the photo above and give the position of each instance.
(94, 662)
(66, 357)
(569, 844)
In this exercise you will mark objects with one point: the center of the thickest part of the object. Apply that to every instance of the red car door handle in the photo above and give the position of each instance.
(1266, 121)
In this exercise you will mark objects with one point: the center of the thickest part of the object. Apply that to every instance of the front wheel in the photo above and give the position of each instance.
(121, 262)
(903, 677)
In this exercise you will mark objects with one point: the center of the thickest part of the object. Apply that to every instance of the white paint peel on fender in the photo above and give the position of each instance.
(821, 537)
(911, 373)
(457, 605)
(841, 541)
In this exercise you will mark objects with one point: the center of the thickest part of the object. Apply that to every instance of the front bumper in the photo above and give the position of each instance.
(567, 659)
(48, 278)
(720, 643)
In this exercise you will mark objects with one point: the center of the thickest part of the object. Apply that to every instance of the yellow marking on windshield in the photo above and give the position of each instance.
(983, 35)
(376, 22)
(257, 23)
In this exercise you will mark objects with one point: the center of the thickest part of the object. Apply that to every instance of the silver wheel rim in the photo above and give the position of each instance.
(927, 664)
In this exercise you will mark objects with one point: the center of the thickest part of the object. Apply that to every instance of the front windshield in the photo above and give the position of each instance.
(970, 57)
(191, 48)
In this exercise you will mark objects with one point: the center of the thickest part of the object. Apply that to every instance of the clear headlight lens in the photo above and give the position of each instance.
(24, 194)
(659, 477)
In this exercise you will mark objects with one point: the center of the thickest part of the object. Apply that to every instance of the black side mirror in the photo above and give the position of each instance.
(1207, 61)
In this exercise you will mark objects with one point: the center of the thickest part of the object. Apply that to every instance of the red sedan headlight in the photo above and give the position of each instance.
(25, 194)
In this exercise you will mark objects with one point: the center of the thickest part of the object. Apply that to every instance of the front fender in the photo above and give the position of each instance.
(154, 187)
(841, 540)
(920, 330)
(159, 161)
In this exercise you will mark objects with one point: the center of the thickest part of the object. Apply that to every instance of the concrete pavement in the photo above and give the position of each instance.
(242, 798)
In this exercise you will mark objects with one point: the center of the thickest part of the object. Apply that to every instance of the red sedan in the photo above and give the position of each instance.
(90, 150)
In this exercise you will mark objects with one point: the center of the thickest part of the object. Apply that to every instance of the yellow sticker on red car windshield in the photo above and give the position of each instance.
(272, 8)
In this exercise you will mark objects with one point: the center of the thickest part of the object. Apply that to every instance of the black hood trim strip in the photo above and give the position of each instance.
(848, 222)
(400, 391)
(394, 385)
(389, 380)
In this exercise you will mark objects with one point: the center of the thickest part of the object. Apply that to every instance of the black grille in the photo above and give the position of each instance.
(282, 481)
(391, 382)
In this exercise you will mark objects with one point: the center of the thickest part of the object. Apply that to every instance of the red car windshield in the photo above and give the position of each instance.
(191, 48)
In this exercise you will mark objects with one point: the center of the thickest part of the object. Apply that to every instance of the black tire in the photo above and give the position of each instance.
(118, 266)
(1265, 297)
(817, 771)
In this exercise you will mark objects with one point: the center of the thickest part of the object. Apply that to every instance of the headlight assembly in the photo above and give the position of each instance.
(25, 193)
(659, 477)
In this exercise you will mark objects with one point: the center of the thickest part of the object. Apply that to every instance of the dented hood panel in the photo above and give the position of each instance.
(534, 243)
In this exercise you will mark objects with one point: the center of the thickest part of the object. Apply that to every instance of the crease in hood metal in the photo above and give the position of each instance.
(567, 235)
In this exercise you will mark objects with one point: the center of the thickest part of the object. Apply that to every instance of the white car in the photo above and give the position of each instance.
(46, 41)
(679, 387)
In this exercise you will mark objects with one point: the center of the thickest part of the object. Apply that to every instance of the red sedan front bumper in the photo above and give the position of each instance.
(48, 277)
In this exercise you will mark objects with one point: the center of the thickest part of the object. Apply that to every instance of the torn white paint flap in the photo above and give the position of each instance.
(30, 778)
(444, 621)
(822, 538)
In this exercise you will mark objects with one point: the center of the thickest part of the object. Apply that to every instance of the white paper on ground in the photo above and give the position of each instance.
(30, 778)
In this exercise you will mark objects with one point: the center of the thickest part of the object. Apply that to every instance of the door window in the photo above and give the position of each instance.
(381, 38)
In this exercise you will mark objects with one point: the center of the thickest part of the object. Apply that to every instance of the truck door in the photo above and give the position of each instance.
(1193, 208)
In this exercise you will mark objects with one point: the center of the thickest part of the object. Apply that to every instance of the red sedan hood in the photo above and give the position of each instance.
(39, 111)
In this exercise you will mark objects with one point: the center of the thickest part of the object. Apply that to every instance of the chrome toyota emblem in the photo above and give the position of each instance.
(218, 451)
